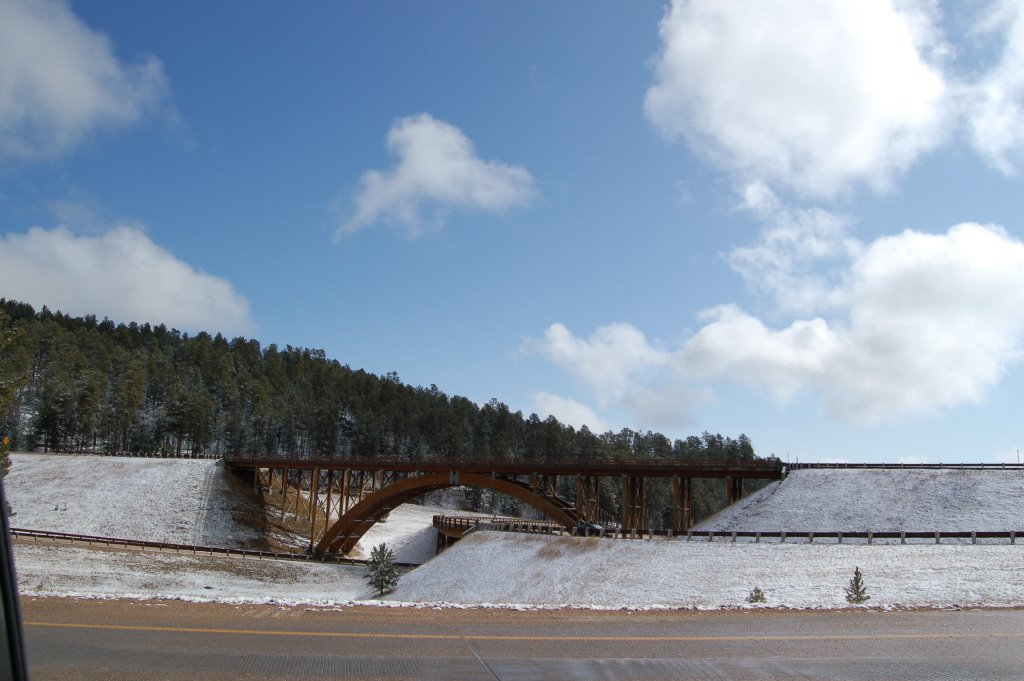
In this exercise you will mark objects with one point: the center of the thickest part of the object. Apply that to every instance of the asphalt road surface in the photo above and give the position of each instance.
(144, 641)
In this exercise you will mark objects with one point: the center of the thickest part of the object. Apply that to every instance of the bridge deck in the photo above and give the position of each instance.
(760, 469)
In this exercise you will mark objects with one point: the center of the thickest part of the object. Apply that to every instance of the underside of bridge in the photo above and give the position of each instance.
(340, 501)
(342, 536)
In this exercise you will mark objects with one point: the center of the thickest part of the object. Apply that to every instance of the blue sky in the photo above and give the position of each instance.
(791, 219)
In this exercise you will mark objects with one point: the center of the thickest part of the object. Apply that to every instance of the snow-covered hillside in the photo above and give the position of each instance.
(881, 500)
(542, 571)
(553, 571)
(49, 570)
(188, 501)
(174, 500)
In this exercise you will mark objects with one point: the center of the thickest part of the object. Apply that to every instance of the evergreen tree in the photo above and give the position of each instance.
(857, 593)
(381, 571)
(5, 450)
(8, 386)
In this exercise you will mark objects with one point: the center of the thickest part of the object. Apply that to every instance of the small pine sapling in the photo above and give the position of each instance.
(757, 596)
(857, 593)
(381, 571)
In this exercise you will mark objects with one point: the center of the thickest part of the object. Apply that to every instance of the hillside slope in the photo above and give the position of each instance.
(496, 568)
(881, 500)
(186, 501)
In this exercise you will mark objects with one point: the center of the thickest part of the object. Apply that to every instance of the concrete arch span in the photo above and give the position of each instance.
(342, 536)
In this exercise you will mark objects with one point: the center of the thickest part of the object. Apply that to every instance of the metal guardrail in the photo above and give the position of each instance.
(128, 455)
(869, 535)
(113, 542)
(909, 466)
(468, 523)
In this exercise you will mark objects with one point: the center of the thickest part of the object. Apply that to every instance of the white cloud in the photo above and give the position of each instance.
(120, 274)
(60, 80)
(995, 104)
(786, 262)
(624, 371)
(734, 343)
(916, 323)
(438, 169)
(611, 361)
(567, 411)
(930, 321)
(812, 95)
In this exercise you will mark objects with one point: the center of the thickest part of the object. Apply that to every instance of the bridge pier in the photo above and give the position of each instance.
(682, 496)
(733, 490)
(634, 504)
(588, 498)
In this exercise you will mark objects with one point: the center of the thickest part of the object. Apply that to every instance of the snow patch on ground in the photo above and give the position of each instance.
(409, 531)
(846, 500)
(187, 501)
(541, 572)
(93, 573)
(571, 571)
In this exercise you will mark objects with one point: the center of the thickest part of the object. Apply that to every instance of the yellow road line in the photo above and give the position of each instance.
(535, 638)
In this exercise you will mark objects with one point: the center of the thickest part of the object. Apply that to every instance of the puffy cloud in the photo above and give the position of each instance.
(612, 360)
(735, 343)
(811, 95)
(568, 411)
(60, 80)
(929, 321)
(120, 274)
(934, 321)
(623, 369)
(437, 168)
(786, 262)
(995, 104)
(918, 322)
(819, 98)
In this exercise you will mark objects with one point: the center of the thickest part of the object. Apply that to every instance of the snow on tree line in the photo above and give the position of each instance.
(78, 384)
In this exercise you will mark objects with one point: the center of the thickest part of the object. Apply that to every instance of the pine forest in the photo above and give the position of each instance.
(78, 384)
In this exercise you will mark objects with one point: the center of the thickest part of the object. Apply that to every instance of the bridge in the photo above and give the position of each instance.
(341, 498)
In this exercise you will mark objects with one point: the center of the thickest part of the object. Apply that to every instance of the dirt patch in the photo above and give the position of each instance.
(550, 550)
(557, 547)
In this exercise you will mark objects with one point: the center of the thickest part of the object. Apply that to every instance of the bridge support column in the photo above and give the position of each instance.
(682, 496)
(346, 491)
(733, 490)
(634, 508)
(314, 502)
(330, 492)
(546, 485)
(588, 498)
(297, 504)
(284, 491)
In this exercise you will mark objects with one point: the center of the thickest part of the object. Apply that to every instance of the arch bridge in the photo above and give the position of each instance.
(341, 499)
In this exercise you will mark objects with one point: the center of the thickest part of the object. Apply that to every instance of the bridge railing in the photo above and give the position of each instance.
(128, 455)
(867, 536)
(465, 523)
(758, 468)
(462, 525)
(907, 466)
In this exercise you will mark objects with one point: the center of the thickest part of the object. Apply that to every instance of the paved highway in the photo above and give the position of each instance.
(170, 640)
